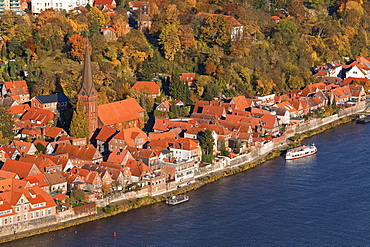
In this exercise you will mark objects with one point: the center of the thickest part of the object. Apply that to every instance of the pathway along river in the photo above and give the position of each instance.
(319, 200)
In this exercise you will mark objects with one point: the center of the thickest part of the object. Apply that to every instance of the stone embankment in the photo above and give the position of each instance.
(223, 166)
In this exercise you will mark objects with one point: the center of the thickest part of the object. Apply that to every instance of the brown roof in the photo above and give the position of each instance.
(55, 177)
(81, 152)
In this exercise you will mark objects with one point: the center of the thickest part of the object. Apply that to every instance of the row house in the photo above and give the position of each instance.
(38, 117)
(163, 125)
(25, 204)
(148, 157)
(210, 110)
(22, 169)
(131, 137)
(44, 164)
(180, 171)
(242, 103)
(16, 90)
(120, 174)
(54, 102)
(103, 136)
(185, 149)
(138, 170)
(38, 181)
(7, 152)
(56, 181)
(23, 147)
(80, 155)
(103, 172)
(270, 125)
(78, 178)
(65, 163)
(53, 133)
(154, 184)
(37, 6)
(119, 156)
(18, 110)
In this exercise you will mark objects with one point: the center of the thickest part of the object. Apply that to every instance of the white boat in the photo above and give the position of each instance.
(174, 200)
(300, 152)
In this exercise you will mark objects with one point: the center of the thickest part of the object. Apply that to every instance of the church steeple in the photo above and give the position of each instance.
(88, 94)
(87, 78)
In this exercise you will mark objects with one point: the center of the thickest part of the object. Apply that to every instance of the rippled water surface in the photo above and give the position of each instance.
(322, 200)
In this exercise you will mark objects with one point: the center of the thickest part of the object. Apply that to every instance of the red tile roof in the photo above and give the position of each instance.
(105, 133)
(147, 87)
(19, 109)
(119, 112)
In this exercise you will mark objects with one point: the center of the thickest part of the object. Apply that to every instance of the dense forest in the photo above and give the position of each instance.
(271, 57)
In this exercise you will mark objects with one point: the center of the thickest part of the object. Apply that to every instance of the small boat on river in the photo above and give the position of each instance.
(363, 119)
(300, 152)
(174, 200)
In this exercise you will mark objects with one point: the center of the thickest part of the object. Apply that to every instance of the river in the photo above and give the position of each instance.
(319, 200)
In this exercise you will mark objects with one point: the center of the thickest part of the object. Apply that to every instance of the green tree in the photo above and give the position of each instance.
(223, 150)
(179, 90)
(40, 148)
(6, 124)
(79, 125)
(207, 142)
(78, 194)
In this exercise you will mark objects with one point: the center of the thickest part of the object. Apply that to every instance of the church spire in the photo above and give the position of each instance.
(87, 79)
(88, 94)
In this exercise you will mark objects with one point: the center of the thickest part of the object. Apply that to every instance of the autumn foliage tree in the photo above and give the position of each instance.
(78, 46)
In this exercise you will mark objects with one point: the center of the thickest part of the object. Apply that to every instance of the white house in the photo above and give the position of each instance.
(39, 5)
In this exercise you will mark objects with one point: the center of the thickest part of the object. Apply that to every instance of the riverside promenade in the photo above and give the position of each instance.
(223, 166)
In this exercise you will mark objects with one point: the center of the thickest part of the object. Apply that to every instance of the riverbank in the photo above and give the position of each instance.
(124, 206)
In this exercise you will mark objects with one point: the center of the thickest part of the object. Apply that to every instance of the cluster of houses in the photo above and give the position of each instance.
(45, 163)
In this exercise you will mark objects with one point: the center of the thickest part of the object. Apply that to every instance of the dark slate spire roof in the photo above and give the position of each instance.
(87, 78)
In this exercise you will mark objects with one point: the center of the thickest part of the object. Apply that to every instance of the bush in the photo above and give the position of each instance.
(207, 158)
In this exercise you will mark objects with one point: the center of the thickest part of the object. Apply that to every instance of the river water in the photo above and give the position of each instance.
(322, 200)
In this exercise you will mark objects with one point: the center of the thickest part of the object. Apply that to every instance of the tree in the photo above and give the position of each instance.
(79, 125)
(223, 150)
(6, 124)
(78, 46)
(179, 90)
(207, 142)
(40, 148)
(78, 195)
(170, 41)
(216, 29)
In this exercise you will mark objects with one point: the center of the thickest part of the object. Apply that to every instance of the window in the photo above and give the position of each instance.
(18, 218)
(37, 214)
(5, 221)
(49, 211)
(31, 215)
(24, 217)
(17, 209)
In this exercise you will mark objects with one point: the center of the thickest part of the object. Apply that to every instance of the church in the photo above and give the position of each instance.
(120, 115)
